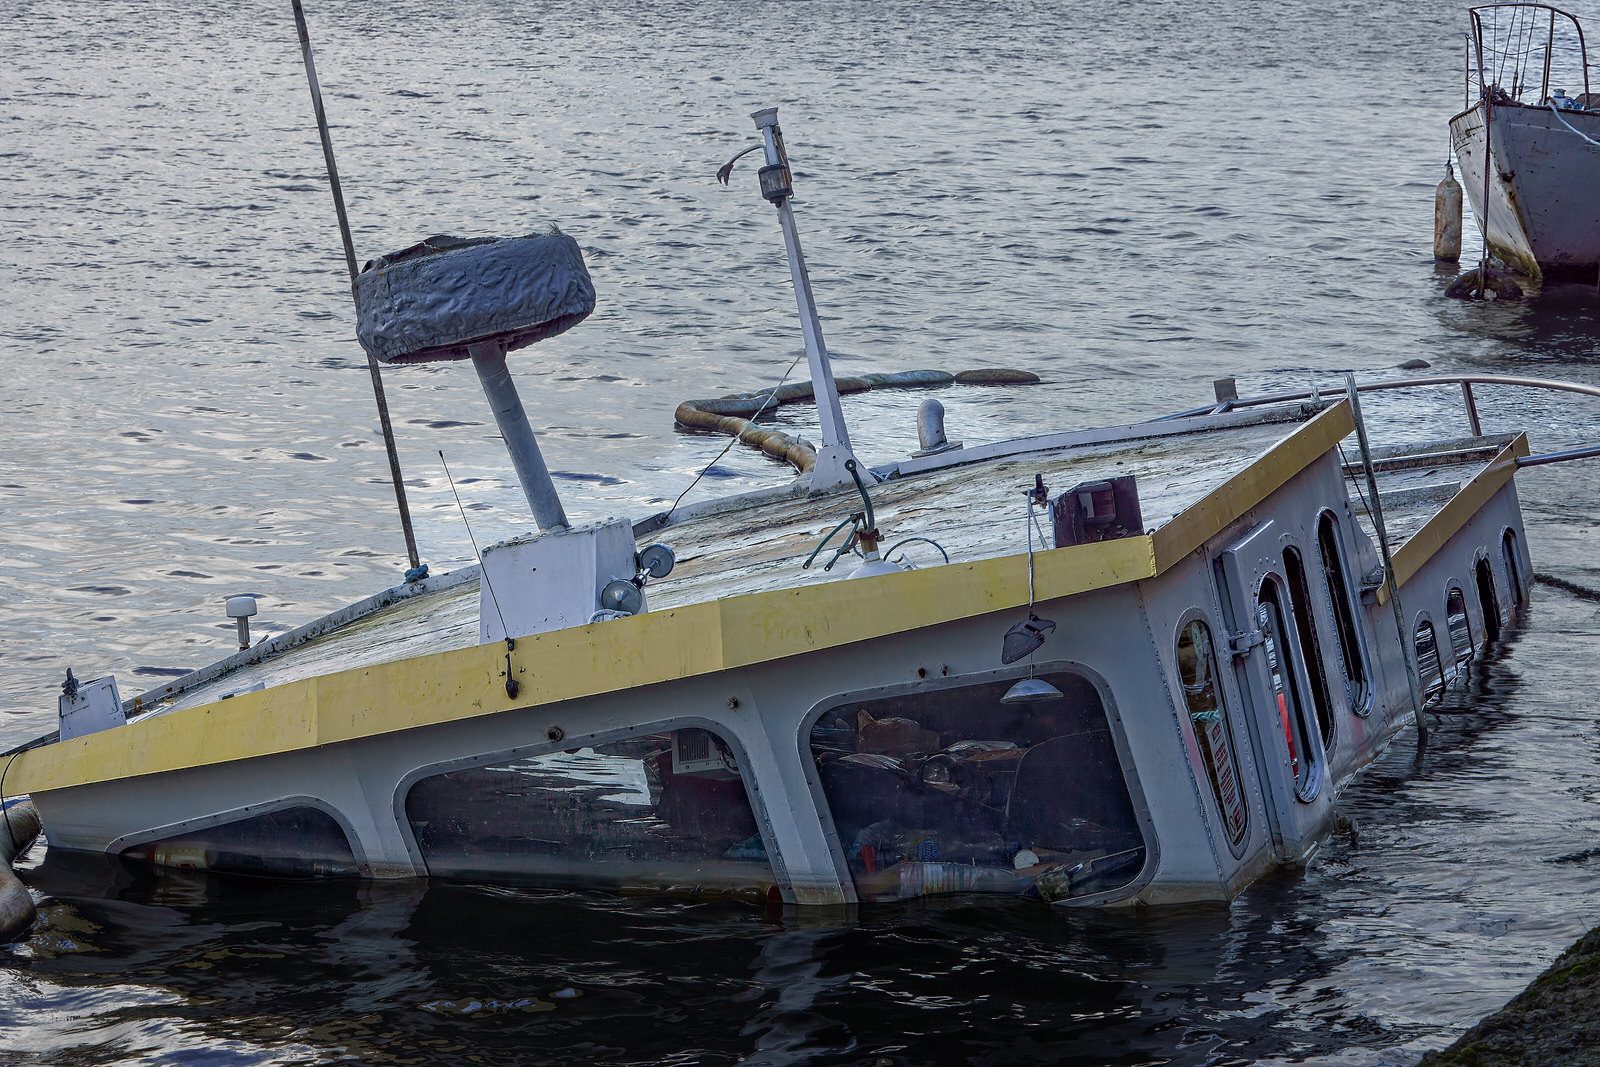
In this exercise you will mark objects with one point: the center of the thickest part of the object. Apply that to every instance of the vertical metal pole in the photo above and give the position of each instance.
(489, 359)
(1549, 49)
(1472, 409)
(350, 264)
(834, 432)
(1488, 156)
(1406, 640)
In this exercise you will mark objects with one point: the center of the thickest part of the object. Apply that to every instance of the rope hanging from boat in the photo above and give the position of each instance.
(735, 414)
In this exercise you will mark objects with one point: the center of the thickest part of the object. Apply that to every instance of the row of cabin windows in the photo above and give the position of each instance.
(1278, 602)
(1283, 613)
(1430, 662)
(936, 790)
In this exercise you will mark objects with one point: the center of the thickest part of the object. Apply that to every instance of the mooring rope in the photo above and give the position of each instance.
(1556, 111)
(1582, 592)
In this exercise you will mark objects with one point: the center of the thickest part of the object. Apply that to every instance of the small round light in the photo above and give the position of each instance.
(1031, 691)
(657, 560)
(621, 595)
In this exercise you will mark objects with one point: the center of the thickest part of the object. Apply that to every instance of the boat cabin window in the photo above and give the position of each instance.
(1283, 675)
(1340, 595)
(1488, 602)
(1455, 613)
(1310, 647)
(1202, 696)
(954, 791)
(1508, 549)
(662, 810)
(1429, 669)
(295, 842)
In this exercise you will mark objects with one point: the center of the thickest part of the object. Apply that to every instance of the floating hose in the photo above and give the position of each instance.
(18, 831)
(733, 414)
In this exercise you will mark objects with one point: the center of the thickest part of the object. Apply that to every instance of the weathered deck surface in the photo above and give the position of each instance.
(973, 511)
(1416, 480)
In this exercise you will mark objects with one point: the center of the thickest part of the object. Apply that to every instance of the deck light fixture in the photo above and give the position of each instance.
(1027, 636)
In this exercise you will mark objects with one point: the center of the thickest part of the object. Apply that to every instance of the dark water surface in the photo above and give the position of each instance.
(1129, 200)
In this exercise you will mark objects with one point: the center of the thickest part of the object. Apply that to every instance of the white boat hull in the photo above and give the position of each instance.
(1543, 206)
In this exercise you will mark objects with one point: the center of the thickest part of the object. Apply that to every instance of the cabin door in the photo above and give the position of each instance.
(1271, 668)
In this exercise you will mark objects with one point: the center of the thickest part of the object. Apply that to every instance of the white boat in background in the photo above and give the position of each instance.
(1539, 199)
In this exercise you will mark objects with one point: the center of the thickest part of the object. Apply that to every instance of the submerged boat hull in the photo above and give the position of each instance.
(1543, 206)
(850, 740)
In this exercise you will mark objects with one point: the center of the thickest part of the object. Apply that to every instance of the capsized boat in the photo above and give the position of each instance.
(1126, 664)
(1529, 152)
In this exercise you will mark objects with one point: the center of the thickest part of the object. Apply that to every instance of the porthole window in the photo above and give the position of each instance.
(1460, 627)
(1202, 697)
(293, 842)
(952, 790)
(1429, 668)
(661, 810)
(1341, 595)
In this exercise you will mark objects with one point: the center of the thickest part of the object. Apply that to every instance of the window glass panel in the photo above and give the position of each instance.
(1202, 694)
(1310, 647)
(1428, 664)
(1281, 675)
(1460, 628)
(665, 810)
(298, 842)
(1508, 549)
(951, 791)
(1488, 601)
(1339, 593)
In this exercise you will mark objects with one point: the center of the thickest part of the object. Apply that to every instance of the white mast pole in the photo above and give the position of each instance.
(776, 186)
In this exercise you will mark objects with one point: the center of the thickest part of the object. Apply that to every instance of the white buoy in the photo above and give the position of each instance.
(1447, 218)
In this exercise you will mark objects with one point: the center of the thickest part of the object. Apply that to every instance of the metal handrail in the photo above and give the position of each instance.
(1527, 49)
(1469, 401)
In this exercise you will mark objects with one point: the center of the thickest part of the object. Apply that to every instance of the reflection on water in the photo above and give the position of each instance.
(1129, 202)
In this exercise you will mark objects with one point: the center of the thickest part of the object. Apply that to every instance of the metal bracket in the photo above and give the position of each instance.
(1240, 644)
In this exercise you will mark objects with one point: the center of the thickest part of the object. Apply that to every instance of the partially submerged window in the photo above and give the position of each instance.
(294, 842)
(1283, 675)
(1508, 549)
(952, 791)
(1341, 595)
(1455, 612)
(1488, 602)
(1202, 696)
(665, 810)
(1429, 668)
(1310, 647)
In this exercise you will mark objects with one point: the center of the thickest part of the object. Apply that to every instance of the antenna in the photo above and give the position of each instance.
(470, 537)
(483, 576)
(418, 570)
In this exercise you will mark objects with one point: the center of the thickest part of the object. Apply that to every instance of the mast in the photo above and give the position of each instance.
(417, 570)
(777, 187)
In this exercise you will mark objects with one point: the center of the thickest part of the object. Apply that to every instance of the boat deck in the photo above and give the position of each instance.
(973, 511)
